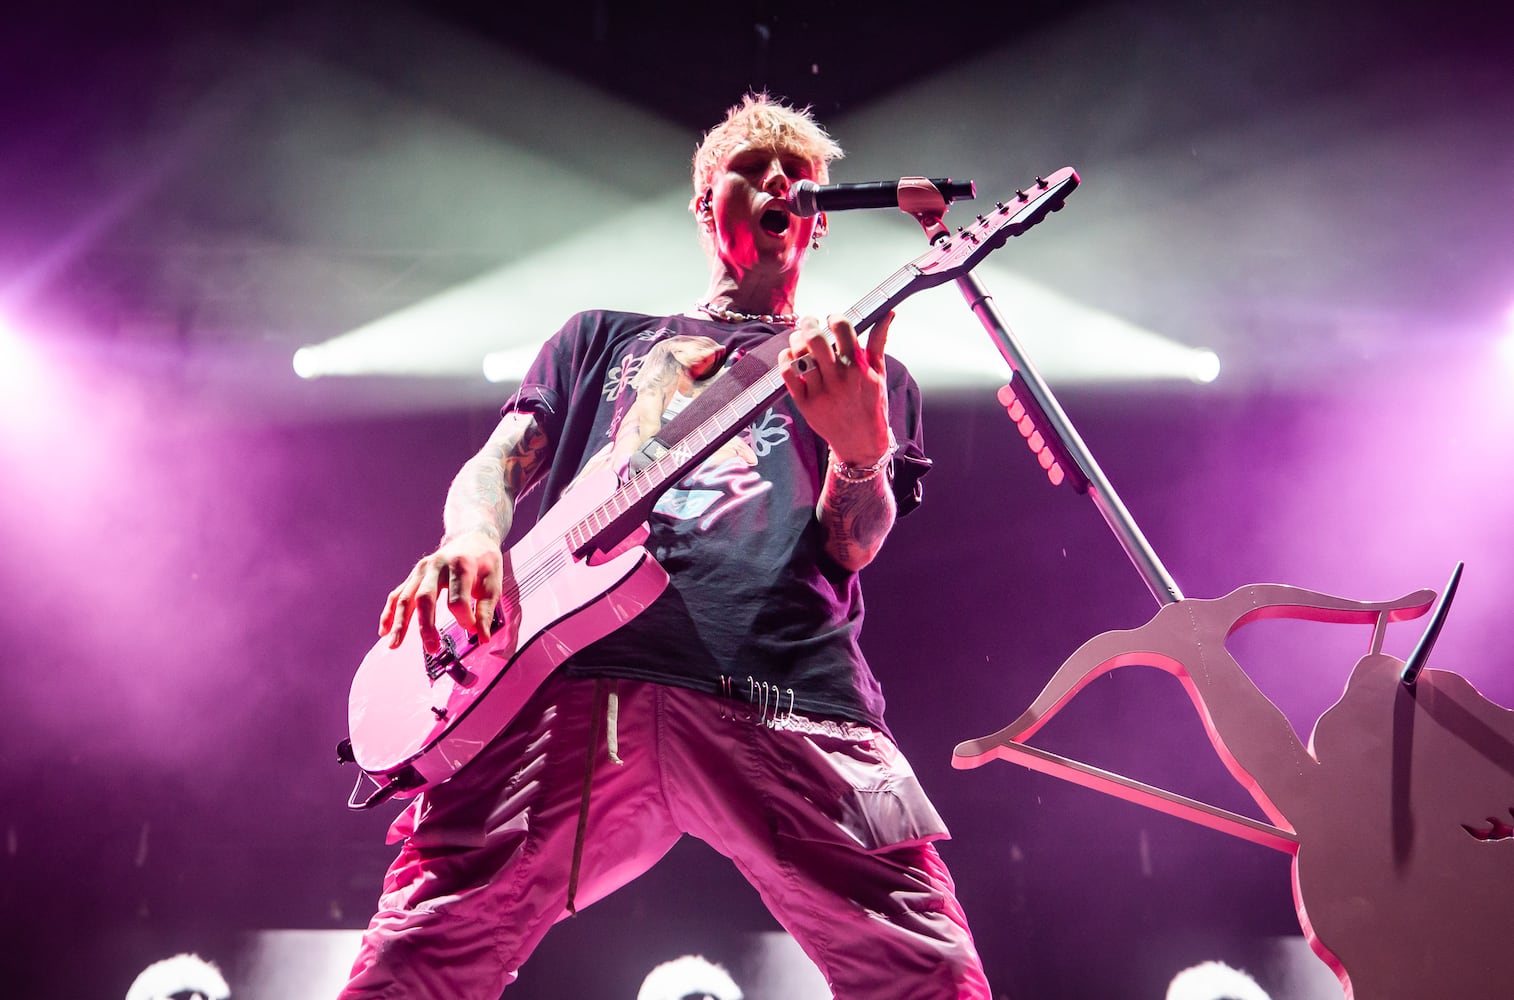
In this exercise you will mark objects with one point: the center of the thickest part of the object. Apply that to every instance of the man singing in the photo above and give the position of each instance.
(738, 707)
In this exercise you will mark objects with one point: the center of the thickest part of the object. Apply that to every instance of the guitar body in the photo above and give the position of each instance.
(412, 728)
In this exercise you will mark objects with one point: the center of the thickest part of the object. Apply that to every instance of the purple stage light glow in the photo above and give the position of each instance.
(20, 370)
(35, 401)
(157, 518)
(1390, 484)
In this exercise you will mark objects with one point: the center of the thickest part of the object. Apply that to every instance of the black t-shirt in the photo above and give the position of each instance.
(753, 597)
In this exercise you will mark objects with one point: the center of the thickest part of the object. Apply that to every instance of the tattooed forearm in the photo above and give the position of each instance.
(523, 458)
(482, 495)
(477, 501)
(857, 517)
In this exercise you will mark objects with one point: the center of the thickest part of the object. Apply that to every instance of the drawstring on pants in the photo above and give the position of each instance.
(606, 710)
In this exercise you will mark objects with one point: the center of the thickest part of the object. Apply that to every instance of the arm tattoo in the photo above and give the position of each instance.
(525, 458)
(857, 517)
(482, 496)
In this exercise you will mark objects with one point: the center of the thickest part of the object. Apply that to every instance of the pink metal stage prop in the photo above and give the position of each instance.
(1397, 813)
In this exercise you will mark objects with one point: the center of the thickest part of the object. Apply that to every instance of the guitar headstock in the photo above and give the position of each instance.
(966, 248)
(960, 252)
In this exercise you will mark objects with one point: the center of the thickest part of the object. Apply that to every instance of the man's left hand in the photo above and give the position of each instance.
(844, 395)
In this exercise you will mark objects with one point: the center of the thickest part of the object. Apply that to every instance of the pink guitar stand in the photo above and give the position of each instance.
(1397, 813)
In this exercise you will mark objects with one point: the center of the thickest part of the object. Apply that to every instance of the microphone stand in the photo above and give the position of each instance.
(1063, 455)
(1040, 418)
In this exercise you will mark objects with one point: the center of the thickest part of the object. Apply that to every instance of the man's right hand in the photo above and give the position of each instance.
(468, 570)
(468, 566)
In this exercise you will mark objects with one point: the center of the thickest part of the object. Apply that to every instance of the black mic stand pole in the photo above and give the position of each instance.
(1059, 448)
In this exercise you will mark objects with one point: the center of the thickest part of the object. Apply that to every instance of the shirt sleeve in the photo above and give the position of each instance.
(548, 383)
(910, 463)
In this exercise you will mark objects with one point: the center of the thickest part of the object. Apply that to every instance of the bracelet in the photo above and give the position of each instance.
(851, 473)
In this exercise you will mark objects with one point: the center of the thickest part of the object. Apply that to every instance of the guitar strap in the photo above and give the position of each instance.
(747, 369)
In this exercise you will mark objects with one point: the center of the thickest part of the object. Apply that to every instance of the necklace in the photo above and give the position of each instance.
(732, 316)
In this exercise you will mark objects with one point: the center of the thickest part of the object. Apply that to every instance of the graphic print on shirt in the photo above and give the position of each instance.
(663, 382)
(622, 375)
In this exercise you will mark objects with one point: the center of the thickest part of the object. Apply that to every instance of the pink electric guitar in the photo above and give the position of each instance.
(581, 571)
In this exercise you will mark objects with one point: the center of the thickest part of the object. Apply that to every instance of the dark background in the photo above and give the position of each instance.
(197, 543)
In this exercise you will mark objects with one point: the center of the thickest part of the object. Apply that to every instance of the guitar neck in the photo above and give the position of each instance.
(632, 503)
(895, 289)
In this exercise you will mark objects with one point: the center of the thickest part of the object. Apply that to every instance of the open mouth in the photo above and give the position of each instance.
(775, 221)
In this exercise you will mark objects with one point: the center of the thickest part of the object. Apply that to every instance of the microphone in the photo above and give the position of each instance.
(808, 198)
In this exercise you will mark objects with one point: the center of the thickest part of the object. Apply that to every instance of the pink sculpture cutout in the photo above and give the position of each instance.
(1397, 814)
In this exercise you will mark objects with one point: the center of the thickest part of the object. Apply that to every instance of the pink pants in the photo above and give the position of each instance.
(825, 819)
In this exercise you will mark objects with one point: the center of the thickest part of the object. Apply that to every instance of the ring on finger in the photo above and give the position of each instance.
(844, 360)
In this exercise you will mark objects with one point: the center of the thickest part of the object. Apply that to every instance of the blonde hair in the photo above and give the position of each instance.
(760, 120)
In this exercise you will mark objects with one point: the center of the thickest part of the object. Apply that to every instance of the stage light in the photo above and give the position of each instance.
(296, 964)
(1506, 342)
(25, 378)
(14, 356)
(181, 975)
(1209, 980)
(688, 976)
(307, 362)
(509, 365)
(945, 346)
(1206, 367)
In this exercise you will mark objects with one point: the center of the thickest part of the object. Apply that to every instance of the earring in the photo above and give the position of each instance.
(706, 202)
(818, 233)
